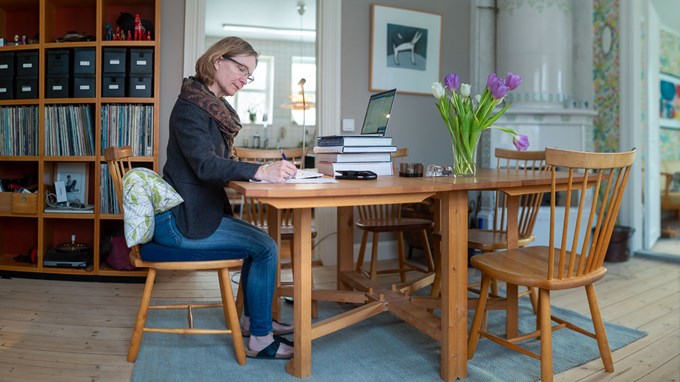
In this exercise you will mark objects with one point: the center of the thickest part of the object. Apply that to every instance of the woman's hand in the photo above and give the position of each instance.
(277, 172)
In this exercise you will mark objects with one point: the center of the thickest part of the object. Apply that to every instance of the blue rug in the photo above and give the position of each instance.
(382, 348)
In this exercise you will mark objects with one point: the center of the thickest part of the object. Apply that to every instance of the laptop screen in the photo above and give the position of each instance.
(378, 113)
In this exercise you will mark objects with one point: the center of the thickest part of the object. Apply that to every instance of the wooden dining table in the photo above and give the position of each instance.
(451, 221)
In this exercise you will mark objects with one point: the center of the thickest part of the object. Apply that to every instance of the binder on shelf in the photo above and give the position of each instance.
(354, 140)
(354, 149)
(330, 168)
(353, 157)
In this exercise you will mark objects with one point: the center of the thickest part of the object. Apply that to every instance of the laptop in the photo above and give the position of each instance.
(378, 113)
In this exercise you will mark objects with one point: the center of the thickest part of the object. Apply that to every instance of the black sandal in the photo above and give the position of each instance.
(270, 352)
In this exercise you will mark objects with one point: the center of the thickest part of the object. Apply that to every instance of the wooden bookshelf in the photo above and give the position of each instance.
(23, 223)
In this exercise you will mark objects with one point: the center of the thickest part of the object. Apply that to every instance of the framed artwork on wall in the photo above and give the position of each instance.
(669, 103)
(74, 176)
(405, 49)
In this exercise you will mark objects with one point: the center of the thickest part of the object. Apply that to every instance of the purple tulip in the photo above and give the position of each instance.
(521, 142)
(452, 81)
(490, 80)
(499, 90)
(512, 81)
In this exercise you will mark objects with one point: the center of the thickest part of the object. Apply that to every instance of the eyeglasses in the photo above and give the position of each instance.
(242, 69)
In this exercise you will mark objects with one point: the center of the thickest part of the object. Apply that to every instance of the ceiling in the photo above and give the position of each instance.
(284, 14)
(268, 13)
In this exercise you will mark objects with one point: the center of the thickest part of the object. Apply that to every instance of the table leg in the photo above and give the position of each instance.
(512, 304)
(301, 364)
(454, 285)
(345, 253)
(274, 224)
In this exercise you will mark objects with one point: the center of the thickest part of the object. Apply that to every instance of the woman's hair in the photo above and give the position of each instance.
(228, 46)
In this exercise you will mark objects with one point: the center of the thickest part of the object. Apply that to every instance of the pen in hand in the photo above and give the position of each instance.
(283, 154)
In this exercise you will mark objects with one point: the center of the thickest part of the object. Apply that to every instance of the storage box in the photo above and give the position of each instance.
(26, 64)
(58, 61)
(83, 87)
(6, 88)
(18, 203)
(57, 86)
(83, 62)
(5, 201)
(26, 88)
(140, 86)
(114, 60)
(7, 64)
(113, 85)
(141, 61)
(24, 203)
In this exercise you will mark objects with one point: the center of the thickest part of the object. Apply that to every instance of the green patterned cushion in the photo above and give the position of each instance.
(145, 194)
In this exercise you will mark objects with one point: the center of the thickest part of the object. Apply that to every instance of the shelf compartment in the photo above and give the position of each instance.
(18, 236)
(19, 129)
(60, 230)
(69, 130)
(65, 16)
(19, 17)
(113, 8)
(83, 172)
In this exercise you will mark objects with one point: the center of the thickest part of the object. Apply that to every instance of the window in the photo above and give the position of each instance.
(254, 102)
(303, 67)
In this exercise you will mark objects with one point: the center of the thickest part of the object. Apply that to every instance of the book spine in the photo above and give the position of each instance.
(353, 157)
(330, 141)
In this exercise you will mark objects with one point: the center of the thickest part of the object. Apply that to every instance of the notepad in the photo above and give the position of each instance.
(307, 173)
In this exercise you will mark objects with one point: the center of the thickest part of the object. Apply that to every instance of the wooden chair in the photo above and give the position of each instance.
(170, 259)
(495, 238)
(670, 199)
(380, 218)
(556, 267)
(255, 212)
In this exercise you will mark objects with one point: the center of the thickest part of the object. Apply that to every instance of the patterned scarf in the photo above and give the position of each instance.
(196, 92)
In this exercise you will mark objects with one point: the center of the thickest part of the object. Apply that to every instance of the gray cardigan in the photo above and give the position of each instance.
(198, 168)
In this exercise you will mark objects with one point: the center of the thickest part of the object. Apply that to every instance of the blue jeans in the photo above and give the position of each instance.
(245, 241)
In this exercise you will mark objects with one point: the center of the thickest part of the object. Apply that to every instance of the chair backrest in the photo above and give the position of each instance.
(599, 197)
(268, 155)
(119, 162)
(251, 209)
(385, 211)
(519, 162)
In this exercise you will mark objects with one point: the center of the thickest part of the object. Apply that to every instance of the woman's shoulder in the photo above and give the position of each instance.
(184, 109)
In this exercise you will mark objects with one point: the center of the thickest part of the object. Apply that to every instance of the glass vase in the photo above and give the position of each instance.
(464, 162)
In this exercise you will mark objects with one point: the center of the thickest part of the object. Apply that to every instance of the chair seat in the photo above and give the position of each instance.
(394, 224)
(162, 257)
(528, 267)
(489, 240)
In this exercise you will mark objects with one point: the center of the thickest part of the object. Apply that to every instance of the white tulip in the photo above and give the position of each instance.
(438, 90)
(465, 90)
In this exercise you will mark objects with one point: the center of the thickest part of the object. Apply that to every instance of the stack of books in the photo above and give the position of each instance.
(358, 153)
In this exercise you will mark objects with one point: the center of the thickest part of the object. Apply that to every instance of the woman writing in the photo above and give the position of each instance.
(200, 162)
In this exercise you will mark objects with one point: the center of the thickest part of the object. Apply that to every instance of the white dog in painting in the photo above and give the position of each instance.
(406, 46)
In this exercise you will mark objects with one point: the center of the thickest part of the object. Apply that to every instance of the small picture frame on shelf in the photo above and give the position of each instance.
(74, 176)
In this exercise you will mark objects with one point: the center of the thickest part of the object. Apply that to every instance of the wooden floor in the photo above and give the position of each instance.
(79, 331)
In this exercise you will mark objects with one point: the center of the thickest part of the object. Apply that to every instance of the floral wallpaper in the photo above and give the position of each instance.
(669, 139)
(670, 53)
(606, 76)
